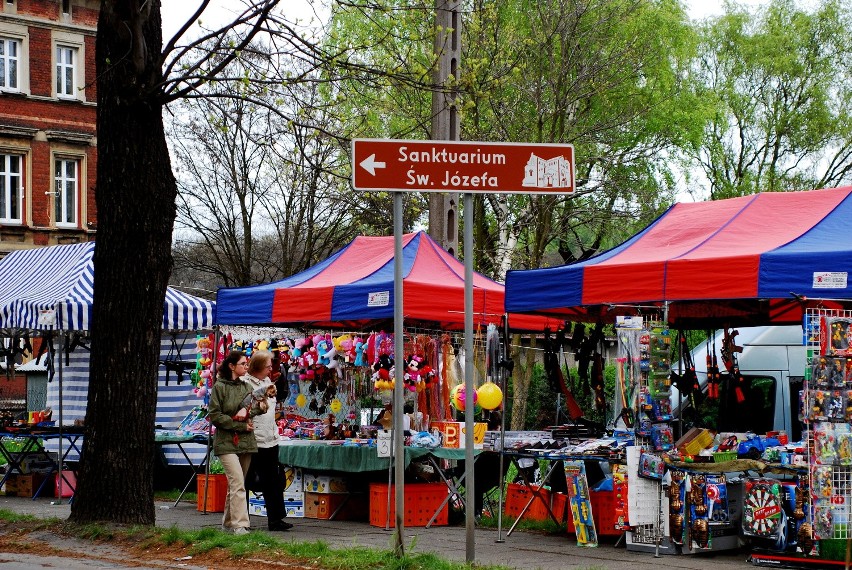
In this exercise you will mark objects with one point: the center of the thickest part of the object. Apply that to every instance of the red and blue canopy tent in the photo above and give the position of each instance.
(354, 288)
(753, 260)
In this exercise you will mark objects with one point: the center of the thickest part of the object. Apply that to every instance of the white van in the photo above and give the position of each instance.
(772, 364)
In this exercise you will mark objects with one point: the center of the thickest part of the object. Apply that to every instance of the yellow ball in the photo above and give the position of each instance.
(489, 395)
(335, 405)
(301, 400)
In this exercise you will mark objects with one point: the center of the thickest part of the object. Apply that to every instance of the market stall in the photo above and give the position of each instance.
(46, 293)
(341, 307)
(771, 258)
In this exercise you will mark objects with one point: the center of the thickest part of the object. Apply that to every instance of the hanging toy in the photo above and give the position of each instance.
(458, 397)
(359, 346)
(489, 396)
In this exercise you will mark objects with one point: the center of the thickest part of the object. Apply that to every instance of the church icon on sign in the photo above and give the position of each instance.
(551, 173)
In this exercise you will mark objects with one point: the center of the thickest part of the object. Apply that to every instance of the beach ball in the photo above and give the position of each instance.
(336, 406)
(457, 398)
(301, 400)
(489, 395)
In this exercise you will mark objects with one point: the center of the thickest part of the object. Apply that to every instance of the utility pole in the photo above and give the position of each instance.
(443, 207)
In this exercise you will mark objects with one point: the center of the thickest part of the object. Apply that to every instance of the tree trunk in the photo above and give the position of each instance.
(522, 380)
(135, 197)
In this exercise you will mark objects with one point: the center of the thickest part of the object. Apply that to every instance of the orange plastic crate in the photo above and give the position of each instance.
(603, 513)
(518, 495)
(217, 490)
(421, 502)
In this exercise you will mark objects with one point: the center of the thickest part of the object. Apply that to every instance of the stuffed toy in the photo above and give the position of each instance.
(383, 373)
(333, 362)
(359, 346)
(257, 399)
(293, 385)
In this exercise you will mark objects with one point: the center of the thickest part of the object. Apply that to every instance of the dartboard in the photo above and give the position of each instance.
(762, 511)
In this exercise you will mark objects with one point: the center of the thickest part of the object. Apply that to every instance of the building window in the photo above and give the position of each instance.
(11, 187)
(9, 56)
(66, 6)
(66, 178)
(66, 84)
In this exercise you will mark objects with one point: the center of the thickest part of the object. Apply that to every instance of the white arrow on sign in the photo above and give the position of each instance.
(370, 165)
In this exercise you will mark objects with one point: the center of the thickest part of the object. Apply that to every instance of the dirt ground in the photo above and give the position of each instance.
(34, 538)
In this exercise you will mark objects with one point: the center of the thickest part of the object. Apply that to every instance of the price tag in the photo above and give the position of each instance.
(383, 443)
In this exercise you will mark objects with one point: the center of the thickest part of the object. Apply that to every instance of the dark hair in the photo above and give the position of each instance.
(224, 370)
(495, 421)
(408, 409)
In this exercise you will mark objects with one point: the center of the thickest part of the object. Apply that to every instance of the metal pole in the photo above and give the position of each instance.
(398, 439)
(61, 411)
(504, 375)
(469, 392)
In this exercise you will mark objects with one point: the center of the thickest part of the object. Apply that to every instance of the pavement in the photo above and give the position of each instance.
(522, 550)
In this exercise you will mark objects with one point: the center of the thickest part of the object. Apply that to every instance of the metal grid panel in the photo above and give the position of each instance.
(831, 481)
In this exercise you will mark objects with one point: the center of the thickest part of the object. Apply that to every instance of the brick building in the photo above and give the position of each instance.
(48, 147)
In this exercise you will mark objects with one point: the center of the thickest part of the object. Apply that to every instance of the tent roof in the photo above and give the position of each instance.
(354, 287)
(749, 260)
(34, 282)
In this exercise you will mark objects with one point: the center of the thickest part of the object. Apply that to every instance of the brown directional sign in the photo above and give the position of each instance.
(462, 166)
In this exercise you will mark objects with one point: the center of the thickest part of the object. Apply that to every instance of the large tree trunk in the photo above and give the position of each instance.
(136, 210)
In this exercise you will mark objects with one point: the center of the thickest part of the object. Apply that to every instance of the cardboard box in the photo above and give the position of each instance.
(295, 509)
(294, 482)
(694, 441)
(256, 506)
(323, 505)
(314, 483)
(24, 485)
(453, 434)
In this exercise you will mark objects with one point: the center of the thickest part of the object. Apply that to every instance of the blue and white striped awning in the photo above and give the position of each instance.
(50, 288)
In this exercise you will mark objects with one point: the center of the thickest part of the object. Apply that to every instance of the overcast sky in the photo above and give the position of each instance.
(176, 12)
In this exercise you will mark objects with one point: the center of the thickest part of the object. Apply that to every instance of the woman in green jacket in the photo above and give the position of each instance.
(234, 442)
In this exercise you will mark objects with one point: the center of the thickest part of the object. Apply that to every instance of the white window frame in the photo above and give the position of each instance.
(8, 62)
(63, 184)
(19, 34)
(62, 42)
(11, 187)
(66, 72)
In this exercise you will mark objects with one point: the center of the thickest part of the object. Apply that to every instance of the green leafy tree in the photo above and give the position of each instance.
(779, 89)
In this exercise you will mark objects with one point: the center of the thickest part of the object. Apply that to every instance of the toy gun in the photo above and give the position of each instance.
(729, 358)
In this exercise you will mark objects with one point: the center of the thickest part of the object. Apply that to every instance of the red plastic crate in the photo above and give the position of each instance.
(603, 513)
(421, 502)
(517, 496)
(217, 490)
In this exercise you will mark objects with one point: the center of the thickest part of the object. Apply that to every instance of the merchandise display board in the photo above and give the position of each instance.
(828, 410)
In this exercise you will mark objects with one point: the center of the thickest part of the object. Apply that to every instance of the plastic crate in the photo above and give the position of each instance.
(722, 456)
(421, 502)
(217, 490)
(517, 497)
(603, 513)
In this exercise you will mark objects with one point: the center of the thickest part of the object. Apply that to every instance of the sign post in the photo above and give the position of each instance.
(469, 168)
